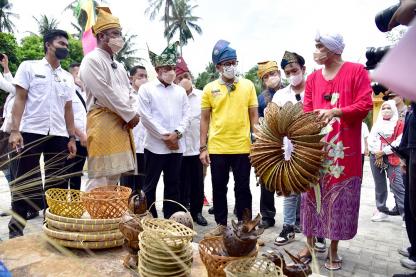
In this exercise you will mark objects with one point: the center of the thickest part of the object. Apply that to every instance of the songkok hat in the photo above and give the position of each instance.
(168, 56)
(291, 57)
(266, 67)
(333, 41)
(105, 20)
(223, 52)
(181, 66)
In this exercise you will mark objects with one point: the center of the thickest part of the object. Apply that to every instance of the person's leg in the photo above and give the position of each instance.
(410, 219)
(140, 170)
(241, 167)
(153, 169)
(267, 208)
(55, 156)
(380, 184)
(397, 186)
(186, 181)
(220, 167)
(289, 219)
(333, 262)
(171, 180)
(297, 223)
(76, 167)
(197, 187)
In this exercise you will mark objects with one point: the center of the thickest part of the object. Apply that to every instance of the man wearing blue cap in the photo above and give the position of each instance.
(229, 112)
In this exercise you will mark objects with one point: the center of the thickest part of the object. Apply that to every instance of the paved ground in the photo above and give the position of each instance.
(373, 252)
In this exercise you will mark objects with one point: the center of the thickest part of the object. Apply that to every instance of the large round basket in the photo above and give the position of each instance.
(214, 256)
(87, 244)
(87, 221)
(106, 202)
(252, 267)
(65, 202)
(82, 236)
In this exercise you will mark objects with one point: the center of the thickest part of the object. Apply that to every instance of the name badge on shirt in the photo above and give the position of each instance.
(40, 76)
(215, 92)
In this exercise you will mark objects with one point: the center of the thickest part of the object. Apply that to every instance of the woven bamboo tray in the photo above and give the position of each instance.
(90, 221)
(252, 267)
(65, 202)
(75, 236)
(214, 256)
(88, 244)
(74, 227)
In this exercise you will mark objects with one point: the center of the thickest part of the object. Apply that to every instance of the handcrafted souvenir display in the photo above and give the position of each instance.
(252, 267)
(287, 154)
(65, 202)
(297, 269)
(138, 203)
(184, 218)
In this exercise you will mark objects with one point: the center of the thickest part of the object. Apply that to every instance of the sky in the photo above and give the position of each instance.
(259, 30)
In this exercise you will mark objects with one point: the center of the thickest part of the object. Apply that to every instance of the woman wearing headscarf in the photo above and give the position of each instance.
(341, 93)
(387, 129)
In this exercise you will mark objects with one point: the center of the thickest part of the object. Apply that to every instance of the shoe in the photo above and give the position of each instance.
(3, 214)
(379, 216)
(216, 232)
(286, 235)
(393, 212)
(211, 210)
(31, 214)
(403, 251)
(206, 203)
(408, 263)
(266, 223)
(297, 229)
(200, 220)
(320, 245)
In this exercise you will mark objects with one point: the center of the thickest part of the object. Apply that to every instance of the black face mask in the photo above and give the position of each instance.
(61, 53)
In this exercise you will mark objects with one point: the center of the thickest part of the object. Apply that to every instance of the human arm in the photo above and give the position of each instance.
(6, 81)
(70, 127)
(203, 136)
(82, 137)
(16, 139)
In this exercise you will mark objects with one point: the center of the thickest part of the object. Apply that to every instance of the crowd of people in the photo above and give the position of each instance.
(132, 130)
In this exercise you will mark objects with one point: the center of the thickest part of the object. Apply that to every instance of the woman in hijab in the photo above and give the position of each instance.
(387, 130)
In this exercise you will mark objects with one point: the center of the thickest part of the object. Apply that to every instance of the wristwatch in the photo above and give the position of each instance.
(72, 137)
(179, 134)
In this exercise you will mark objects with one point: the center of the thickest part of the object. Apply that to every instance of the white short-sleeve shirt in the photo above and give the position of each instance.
(48, 90)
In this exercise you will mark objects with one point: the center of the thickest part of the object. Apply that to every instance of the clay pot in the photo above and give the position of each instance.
(138, 203)
(183, 218)
(237, 247)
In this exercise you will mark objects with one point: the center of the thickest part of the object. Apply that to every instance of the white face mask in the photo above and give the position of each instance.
(296, 79)
(273, 82)
(116, 44)
(139, 82)
(387, 114)
(169, 76)
(229, 72)
(320, 57)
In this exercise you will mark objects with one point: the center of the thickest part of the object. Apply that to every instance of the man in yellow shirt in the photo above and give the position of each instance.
(229, 112)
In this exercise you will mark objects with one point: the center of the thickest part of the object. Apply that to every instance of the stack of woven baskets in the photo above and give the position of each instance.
(252, 267)
(165, 248)
(105, 205)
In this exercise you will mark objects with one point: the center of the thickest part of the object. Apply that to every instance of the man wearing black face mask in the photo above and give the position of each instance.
(110, 104)
(42, 122)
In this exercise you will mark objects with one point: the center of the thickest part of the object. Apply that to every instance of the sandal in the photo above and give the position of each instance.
(333, 265)
(305, 258)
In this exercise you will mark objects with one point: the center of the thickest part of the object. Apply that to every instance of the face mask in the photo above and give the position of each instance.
(273, 82)
(296, 79)
(186, 84)
(61, 53)
(320, 57)
(386, 114)
(169, 77)
(116, 44)
(139, 82)
(229, 72)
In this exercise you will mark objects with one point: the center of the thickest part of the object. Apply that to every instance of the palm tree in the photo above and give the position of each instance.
(6, 23)
(126, 54)
(45, 24)
(79, 14)
(156, 5)
(182, 21)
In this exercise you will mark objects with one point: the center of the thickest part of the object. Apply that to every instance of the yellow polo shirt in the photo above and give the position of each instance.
(229, 128)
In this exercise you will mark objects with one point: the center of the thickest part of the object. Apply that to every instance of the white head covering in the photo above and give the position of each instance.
(384, 127)
(333, 41)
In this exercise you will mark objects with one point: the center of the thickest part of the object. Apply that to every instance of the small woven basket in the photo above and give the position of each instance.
(214, 256)
(65, 202)
(252, 267)
(106, 202)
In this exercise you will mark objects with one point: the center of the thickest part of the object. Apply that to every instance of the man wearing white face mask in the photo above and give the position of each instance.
(110, 104)
(164, 110)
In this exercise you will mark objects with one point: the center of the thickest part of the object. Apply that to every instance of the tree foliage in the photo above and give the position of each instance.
(7, 16)
(252, 76)
(127, 54)
(46, 24)
(209, 75)
(8, 45)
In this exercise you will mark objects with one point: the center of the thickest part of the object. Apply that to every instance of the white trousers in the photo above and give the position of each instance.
(102, 181)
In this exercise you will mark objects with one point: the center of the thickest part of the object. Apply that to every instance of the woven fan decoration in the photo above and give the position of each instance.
(295, 169)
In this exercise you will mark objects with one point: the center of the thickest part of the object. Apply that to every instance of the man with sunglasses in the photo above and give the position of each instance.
(110, 104)
(228, 112)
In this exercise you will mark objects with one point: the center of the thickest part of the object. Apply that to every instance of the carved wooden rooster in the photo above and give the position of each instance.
(297, 269)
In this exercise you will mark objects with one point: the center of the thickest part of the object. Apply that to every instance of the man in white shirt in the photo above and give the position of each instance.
(164, 112)
(191, 192)
(76, 165)
(138, 77)
(42, 121)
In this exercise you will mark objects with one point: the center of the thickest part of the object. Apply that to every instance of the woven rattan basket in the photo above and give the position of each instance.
(87, 244)
(106, 202)
(252, 267)
(81, 236)
(214, 256)
(65, 202)
(77, 227)
(88, 221)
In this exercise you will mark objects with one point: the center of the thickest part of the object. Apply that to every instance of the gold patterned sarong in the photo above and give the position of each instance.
(110, 146)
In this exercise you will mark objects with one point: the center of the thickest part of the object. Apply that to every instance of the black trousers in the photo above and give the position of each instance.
(240, 166)
(409, 216)
(75, 167)
(170, 165)
(191, 191)
(27, 189)
(267, 208)
(135, 182)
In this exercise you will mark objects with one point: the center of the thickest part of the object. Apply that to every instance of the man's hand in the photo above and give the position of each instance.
(83, 139)
(379, 162)
(327, 115)
(403, 166)
(72, 149)
(5, 63)
(171, 141)
(132, 123)
(16, 139)
(204, 158)
(379, 154)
